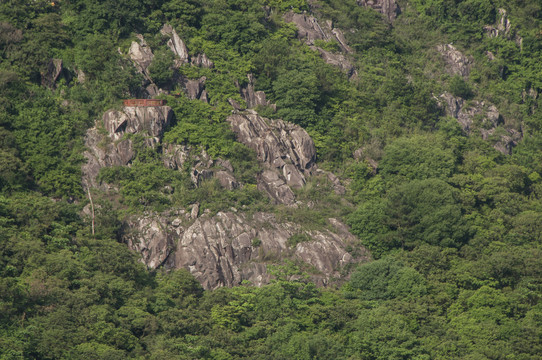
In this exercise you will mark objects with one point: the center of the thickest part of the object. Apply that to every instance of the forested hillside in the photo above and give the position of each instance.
(381, 160)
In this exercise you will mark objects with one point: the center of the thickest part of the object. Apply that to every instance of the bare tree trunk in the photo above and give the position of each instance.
(91, 208)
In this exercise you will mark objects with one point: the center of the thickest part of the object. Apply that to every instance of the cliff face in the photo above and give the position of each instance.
(231, 247)
(285, 149)
(110, 143)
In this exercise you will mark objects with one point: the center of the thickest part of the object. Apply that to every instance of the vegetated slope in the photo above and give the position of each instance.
(429, 117)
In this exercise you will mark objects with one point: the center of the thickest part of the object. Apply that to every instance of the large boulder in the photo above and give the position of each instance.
(465, 112)
(203, 166)
(202, 60)
(55, 71)
(271, 183)
(195, 88)
(175, 156)
(150, 237)
(309, 30)
(276, 142)
(253, 98)
(148, 120)
(337, 59)
(502, 28)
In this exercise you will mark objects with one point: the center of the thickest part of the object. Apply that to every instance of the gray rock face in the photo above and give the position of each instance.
(457, 107)
(176, 44)
(226, 180)
(339, 36)
(506, 143)
(309, 30)
(271, 183)
(253, 98)
(334, 180)
(175, 156)
(195, 88)
(81, 76)
(285, 149)
(114, 148)
(178, 47)
(148, 120)
(150, 237)
(228, 248)
(202, 60)
(338, 60)
(457, 63)
(502, 28)
(141, 55)
(275, 141)
(388, 8)
(55, 71)
(466, 113)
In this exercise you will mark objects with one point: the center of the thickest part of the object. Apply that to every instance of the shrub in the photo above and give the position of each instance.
(459, 87)
(298, 238)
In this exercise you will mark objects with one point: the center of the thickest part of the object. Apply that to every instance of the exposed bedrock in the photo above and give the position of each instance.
(484, 118)
(253, 98)
(309, 30)
(111, 146)
(456, 62)
(388, 8)
(141, 55)
(286, 150)
(230, 247)
(202, 166)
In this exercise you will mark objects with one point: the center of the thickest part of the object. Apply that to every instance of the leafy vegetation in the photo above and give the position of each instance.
(455, 226)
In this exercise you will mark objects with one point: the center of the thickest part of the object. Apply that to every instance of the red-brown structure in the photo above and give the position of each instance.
(144, 102)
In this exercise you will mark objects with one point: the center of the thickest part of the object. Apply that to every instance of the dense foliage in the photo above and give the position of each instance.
(455, 226)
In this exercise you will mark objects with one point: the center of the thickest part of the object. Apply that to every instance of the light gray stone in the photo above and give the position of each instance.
(219, 250)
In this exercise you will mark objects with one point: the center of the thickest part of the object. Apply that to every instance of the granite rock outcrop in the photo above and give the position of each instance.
(456, 62)
(252, 97)
(55, 71)
(175, 44)
(141, 55)
(230, 247)
(202, 166)
(482, 117)
(389, 8)
(286, 150)
(309, 30)
(112, 147)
